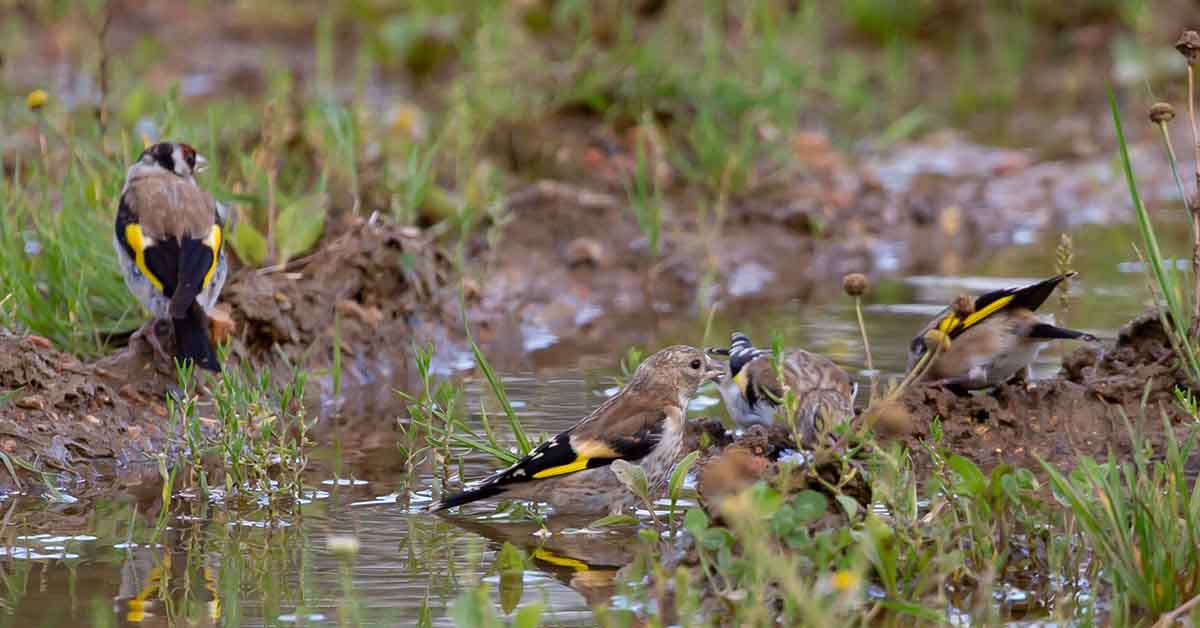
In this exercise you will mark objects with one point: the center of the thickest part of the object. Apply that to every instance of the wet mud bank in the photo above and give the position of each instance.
(1090, 408)
(568, 273)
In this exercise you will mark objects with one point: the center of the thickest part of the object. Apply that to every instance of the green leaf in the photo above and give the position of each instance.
(512, 589)
(916, 610)
(614, 520)
(848, 504)
(300, 225)
(809, 506)
(510, 558)
(472, 608)
(633, 477)
(716, 538)
(973, 482)
(998, 475)
(530, 616)
(680, 474)
(695, 521)
(11, 471)
(765, 499)
(248, 243)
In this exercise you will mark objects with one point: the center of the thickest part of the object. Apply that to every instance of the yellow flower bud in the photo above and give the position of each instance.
(37, 99)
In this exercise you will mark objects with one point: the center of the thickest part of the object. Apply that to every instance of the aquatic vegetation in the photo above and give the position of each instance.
(258, 435)
(691, 108)
(1140, 518)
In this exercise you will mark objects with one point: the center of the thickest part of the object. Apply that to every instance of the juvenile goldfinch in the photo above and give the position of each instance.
(987, 341)
(168, 236)
(752, 392)
(642, 424)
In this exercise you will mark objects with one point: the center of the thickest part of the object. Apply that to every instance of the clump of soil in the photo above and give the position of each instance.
(374, 281)
(379, 282)
(1080, 412)
(77, 418)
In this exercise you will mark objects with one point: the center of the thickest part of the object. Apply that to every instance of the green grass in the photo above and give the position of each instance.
(724, 85)
(1140, 518)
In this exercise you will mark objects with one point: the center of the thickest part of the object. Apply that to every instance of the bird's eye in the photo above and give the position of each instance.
(696, 364)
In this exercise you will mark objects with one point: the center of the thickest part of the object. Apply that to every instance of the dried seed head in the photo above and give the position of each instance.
(1189, 46)
(37, 99)
(889, 417)
(855, 284)
(963, 306)
(1161, 112)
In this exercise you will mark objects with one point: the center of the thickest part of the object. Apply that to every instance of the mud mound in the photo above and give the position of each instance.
(77, 418)
(374, 284)
(368, 283)
(1082, 411)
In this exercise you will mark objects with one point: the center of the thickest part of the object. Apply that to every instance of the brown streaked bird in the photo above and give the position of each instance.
(168, 236)
(752, 392)
(992, 340)
(642, 424)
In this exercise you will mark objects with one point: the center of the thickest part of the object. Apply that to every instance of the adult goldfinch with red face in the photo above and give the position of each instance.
(752, 391)
(991, 339)
(642, 424)
(168, 236)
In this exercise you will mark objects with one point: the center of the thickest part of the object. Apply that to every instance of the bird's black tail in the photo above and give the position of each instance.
(195, 260)
(191, 339)
(490, 489)
(1044, 331)
(1032, 297)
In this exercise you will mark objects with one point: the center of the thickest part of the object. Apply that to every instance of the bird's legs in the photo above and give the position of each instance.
(149, 333)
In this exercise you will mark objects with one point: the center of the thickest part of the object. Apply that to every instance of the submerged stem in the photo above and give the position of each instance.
(1191, 202)
(862, 329)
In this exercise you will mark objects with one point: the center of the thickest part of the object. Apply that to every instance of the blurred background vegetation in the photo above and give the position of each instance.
(313, 113)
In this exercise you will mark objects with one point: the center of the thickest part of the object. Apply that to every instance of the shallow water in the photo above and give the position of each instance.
(97, 561)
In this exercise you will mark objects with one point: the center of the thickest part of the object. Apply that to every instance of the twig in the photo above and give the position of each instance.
(1191, 203)
(102, 70)
(862, 329)
(1173, 616)
(1189, 46)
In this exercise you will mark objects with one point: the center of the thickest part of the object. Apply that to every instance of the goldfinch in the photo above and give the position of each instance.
(642, 424)
(168, 237)
(752, 392)
(986, 341)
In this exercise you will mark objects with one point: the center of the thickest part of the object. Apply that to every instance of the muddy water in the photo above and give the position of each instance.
(100, 561)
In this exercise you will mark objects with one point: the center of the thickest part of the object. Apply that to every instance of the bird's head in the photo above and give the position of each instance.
(175, 157)
(680, 369)
(740, 352)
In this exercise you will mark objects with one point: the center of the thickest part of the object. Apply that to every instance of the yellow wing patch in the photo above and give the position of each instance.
(988, 310)
(213, 241)
(136, 240)
(584, 450)
(742, 379)
(579, 464)
(952, 322)
(562, 561)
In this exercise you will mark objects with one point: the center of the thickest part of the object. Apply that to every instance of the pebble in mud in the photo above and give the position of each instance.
(586, 251)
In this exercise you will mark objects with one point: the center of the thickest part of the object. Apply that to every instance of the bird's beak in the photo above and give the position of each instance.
(722, 351)
(201, 163)
(714, 371)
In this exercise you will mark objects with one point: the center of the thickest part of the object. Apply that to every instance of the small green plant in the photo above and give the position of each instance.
(259, 432)
(645, 198)
(474, 609)
(1141, 518)
(1177, 318)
